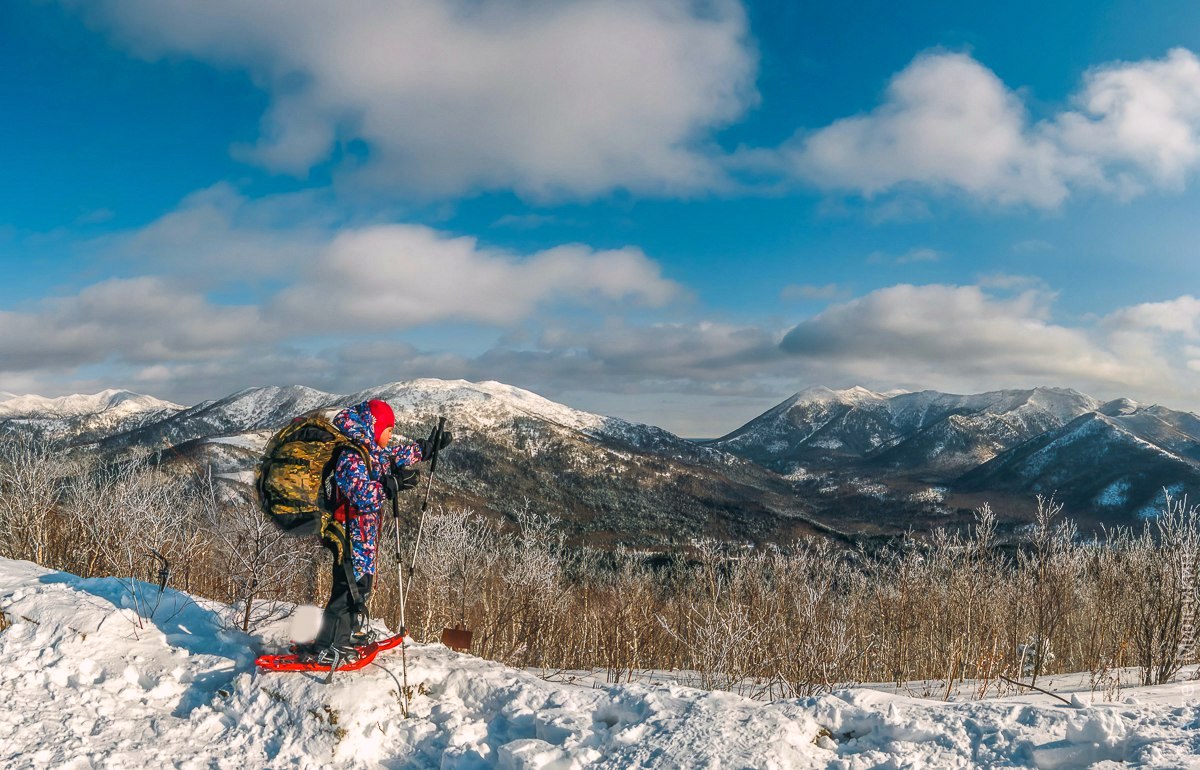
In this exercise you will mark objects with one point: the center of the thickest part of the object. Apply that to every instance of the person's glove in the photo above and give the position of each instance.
(428, 449)
(391, 485)
(408, 477)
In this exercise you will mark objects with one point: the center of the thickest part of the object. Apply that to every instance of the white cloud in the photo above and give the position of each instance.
(1032, 246)
(704, 351)
(1138, 122)
(1012, 282)
(949, 125)
(912, 256)
(551, 98)
(298, 281)
(137, 320)
(920, 255)
(963, 336)
(1178, 316)
(581, 97)
(391, 276)
(217, 235)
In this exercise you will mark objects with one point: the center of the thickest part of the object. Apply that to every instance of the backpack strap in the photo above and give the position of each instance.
(341, 543)
(336, 535)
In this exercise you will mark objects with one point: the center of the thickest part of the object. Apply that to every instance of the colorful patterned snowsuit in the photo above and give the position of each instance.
(361, 500)
(361, 491)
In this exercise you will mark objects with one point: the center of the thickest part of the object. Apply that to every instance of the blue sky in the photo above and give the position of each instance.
(677, 212)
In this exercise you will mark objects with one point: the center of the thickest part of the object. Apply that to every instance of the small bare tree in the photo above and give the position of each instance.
(1163, 577)
(458, 553)
(1050, 571)
(258, 561)
(29, 493)
(134, 516)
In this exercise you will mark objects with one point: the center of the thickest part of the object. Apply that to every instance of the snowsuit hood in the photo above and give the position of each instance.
(358, 423)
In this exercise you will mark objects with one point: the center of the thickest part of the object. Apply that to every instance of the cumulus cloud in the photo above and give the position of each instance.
(137, 320)
(912, 256)
(218, 235)
(1138, 123)
(581, 97)
(959, 335)
(699, 352)
(311, 278)
(549, 98)
(391, 276)
(1178, 316)
(948, 124)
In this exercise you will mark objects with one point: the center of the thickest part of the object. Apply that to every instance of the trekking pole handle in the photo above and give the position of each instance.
(437, 440)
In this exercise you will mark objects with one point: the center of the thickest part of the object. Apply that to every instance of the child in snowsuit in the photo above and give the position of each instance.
(362, 491)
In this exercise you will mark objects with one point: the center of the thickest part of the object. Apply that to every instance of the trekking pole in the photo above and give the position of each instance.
(403, 630)
(399, 561)
(435, 439)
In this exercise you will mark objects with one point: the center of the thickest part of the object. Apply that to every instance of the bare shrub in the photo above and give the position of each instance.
(29, 493)
(1048, 580)
(458, 554)
(1160, 573)
(129, 517)
(258, 562)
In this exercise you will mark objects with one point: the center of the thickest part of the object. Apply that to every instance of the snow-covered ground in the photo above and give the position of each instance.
(84, 687)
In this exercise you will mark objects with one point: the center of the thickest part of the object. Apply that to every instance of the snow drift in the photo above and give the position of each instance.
(85, 687)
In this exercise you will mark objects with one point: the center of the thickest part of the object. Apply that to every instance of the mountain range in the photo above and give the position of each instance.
(609, 480)
(848, 463)
(1107, 462)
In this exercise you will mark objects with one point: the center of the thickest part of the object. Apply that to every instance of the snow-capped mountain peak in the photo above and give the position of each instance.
(80, 405)
(821, 394)
(1119, 406)
(479, 404)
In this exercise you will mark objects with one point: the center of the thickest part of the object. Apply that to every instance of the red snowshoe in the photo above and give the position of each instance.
(361, 658)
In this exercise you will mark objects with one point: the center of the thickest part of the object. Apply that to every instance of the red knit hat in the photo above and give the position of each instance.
(384, 417)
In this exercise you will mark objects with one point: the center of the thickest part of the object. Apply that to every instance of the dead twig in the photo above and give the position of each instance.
(1034, 687)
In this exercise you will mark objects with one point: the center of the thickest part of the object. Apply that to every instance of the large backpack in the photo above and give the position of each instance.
(295, 483)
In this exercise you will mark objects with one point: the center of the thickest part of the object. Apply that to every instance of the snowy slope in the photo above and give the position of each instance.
(1097, 460)
(1109, 461)
(820, 420)
(94, 691)
(495, 407)
(246, 411)
(477, 404)
(83, 416)
(913, 430)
